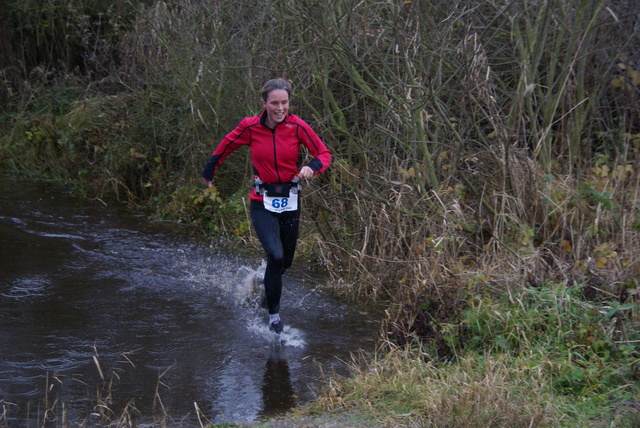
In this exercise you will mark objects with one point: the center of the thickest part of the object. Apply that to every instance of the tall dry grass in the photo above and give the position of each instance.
(401, 389)
(481, 149)
(105, 404)
(476, 143)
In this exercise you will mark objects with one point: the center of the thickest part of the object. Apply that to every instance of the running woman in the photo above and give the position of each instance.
(274, 138)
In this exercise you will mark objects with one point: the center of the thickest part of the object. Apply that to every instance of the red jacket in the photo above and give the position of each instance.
(274, 152)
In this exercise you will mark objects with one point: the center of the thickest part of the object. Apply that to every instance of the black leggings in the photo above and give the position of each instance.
(278, 234)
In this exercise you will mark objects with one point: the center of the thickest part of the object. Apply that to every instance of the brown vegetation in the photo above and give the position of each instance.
(479, 145)
(472, 139)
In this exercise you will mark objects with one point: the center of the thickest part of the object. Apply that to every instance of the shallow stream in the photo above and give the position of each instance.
(101, 309)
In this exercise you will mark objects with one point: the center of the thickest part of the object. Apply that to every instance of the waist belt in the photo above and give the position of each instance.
(279, 190)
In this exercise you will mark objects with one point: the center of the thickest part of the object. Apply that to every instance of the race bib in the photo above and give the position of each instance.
(278, 204)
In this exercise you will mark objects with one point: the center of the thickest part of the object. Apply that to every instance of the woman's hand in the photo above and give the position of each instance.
(305, 172)
(207, 182)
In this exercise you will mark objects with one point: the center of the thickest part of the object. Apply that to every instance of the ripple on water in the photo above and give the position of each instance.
(86, 292)
(28, 287)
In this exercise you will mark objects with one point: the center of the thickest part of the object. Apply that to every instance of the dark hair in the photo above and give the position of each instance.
(274, 84)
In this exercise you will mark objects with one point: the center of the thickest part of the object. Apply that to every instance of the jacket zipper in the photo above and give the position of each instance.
(275, 158)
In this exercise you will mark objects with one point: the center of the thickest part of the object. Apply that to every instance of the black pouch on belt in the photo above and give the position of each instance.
(278, 190)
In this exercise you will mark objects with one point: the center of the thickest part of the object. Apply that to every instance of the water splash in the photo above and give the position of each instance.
(249, 293)
(249, 290)
(290, 337)
(244, 287)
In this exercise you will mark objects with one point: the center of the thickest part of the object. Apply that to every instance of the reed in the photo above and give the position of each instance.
(479, 146)
(108, 407)
(460, 132)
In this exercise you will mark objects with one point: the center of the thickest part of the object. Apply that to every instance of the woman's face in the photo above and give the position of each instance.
(277, 106)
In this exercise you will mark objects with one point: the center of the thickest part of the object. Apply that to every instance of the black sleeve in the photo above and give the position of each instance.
(210, 168)
(315, 165)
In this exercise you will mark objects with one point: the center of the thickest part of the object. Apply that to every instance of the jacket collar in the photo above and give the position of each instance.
(263, 119)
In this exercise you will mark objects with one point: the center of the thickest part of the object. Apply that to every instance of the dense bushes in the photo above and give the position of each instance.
(466, 130)
(478, 144)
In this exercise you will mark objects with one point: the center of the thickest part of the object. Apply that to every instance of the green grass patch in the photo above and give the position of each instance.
(532, 357)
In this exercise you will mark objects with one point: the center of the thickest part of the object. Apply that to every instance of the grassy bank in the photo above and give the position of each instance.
(485, 182)
(533, 357)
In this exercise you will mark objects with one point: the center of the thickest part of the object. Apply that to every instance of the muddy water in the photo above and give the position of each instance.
(101, 309)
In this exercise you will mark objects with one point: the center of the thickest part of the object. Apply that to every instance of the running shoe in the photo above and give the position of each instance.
(276, 327)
